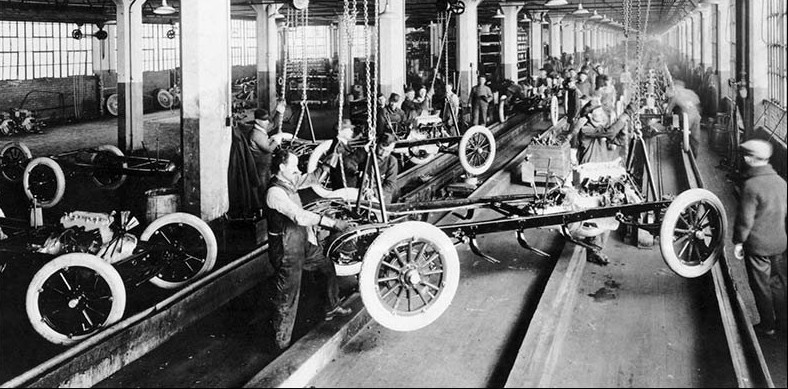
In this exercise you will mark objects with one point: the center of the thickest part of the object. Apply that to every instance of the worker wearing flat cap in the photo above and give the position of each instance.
(759, 234)
(344, 159)
(387, 166)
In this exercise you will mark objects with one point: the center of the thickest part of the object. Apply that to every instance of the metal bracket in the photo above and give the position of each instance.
(474, 245)
(524, 243)
(572, 239)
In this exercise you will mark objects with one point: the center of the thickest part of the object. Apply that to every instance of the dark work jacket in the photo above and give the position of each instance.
(243, 182)
(760, 217)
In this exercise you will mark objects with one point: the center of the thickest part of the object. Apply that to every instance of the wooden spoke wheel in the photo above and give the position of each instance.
(163, 98)
(692, 233)
(554, 116)
(109, 158)
(44, 182)
(477, 150)
(184, 244)
(13, 160)
(112, 104)
(409, 276)
(74, 296)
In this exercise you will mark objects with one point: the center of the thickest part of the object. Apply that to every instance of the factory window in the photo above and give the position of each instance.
(250, 45)
(31, 50)
(775, 42)
(243, 42)
(308, 42)
(158, 51)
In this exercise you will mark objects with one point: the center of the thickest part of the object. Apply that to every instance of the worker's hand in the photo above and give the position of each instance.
(738, 251)
(341, 225)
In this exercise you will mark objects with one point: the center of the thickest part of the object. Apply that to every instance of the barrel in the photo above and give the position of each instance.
(718, 138)
(160, 202)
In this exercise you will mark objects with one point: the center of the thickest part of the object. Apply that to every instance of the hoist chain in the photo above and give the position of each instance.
(376, 47)
(368, 81)
(345, 24)
(304, 14)
(285, 62)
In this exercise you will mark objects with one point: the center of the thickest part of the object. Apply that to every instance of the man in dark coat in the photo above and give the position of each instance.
(759, 234)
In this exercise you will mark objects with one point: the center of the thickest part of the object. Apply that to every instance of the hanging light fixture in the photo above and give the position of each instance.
(605, 19)
(595, 16)
(545, 18)
(526, 17)
(498, 14)
(556, 3)
(164, 9)
(580, 10)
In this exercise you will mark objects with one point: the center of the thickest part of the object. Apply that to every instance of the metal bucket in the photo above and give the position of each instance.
(161, 201)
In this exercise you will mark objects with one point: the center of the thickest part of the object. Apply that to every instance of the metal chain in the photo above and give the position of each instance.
(376, 47)
(302, 26)
(285, 63)
(368, 81)
(341, 66)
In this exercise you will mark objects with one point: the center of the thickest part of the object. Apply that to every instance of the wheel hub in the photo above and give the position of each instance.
(411, 277)
(699, 234)
(74, 302)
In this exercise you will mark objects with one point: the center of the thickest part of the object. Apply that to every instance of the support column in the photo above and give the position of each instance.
(723, 46)
(555, 37)
(392, 56)
(759, 60)
(509, 41)
(267, 54)
(705, 47)
(536, 46)
(468, 49)
(696, 33)
(344, 34)
(579, 43)
(205, 115)
(131, 128)
(568, 37)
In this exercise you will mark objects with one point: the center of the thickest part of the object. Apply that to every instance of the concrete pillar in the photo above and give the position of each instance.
(509, 41)
(392, 55)
(205, 114)
(579, 42)
(555, 37)
(468, 49)
(697, 25)
(345, 33)
(536, 46)
(724, 31)
(568, 37)
(705, 47)
(129, 30)
(267, 54)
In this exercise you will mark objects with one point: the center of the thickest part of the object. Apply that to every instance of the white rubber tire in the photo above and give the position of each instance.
(668, 226)
(19, 147)
(163, 98)
(198, 224)
(317, 154)
(502, 110)
(60, 180)
(377, 252)
(103, 269)
(112, 104)
(463, 152)
(113, 150)
(283, 136)
(554, 115)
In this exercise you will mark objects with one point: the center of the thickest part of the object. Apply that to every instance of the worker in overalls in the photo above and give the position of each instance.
(293, 245)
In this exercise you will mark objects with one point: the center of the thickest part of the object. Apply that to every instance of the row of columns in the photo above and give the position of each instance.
(206, 76)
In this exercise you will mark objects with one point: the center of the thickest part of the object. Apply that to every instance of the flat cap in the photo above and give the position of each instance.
(386, 139)
(757, 148)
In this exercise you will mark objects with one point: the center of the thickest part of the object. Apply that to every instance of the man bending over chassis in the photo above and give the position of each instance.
(598, 135)
(293, 246)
